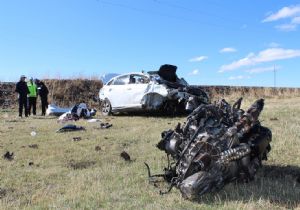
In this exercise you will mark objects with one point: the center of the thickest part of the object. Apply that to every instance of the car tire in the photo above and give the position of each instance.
(106, 108)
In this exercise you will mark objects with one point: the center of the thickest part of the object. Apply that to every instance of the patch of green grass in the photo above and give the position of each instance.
(67, 174)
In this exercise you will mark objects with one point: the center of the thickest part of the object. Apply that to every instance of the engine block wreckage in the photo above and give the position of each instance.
(160, 90)
(217, 144)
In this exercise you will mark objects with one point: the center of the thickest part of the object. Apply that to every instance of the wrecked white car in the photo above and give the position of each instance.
(158, 90)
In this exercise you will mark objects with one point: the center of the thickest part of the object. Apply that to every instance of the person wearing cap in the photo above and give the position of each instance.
(22, 90)
(43, 93)
(32, 95)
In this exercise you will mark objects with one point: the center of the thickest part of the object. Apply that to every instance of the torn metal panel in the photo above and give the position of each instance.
(56, 110)
(217, 144)
(70, 128)
(152, 101)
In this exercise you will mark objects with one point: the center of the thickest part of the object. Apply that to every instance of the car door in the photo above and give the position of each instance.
(117, 92)
(136, 89)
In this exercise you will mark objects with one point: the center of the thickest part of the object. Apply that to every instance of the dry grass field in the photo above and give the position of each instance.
(52, 171)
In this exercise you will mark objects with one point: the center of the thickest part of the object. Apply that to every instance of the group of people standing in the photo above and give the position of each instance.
(28, 93)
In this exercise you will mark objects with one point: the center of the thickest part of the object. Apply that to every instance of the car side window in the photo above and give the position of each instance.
(138, 79)
(123, 80)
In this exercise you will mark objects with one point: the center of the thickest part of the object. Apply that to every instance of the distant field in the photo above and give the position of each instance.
(60, 173)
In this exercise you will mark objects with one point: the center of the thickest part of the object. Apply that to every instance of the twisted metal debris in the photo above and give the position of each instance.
(217, 144)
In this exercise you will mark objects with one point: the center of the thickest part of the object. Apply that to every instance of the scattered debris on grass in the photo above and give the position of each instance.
(105, 125)
(77, 138)
(33, 133)
(70, 127)
(8, 155)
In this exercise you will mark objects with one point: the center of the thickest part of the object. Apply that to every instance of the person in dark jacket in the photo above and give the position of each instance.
(43, 93)
(22, 90)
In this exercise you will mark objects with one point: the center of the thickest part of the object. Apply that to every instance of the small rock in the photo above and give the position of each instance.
(125, 156)
(273, 118)
(97, 148)
(30, 163)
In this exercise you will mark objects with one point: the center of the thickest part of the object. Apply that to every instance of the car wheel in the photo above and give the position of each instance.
(106, 107)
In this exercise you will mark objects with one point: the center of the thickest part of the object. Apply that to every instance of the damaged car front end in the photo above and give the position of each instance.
(158, 90)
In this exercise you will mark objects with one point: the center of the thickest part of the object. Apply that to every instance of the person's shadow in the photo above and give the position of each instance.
(275, 184)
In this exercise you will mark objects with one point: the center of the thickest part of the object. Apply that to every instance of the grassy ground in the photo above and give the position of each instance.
(65, 174)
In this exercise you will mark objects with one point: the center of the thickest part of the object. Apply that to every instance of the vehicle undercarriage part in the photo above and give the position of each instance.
(217, 144)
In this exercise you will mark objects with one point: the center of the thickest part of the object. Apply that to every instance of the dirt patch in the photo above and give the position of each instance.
(98, 148)
(33, 146)
(81, 164)
(4, 192)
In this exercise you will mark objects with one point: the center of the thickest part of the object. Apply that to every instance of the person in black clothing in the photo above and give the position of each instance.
(43, 93)
(22, 90)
